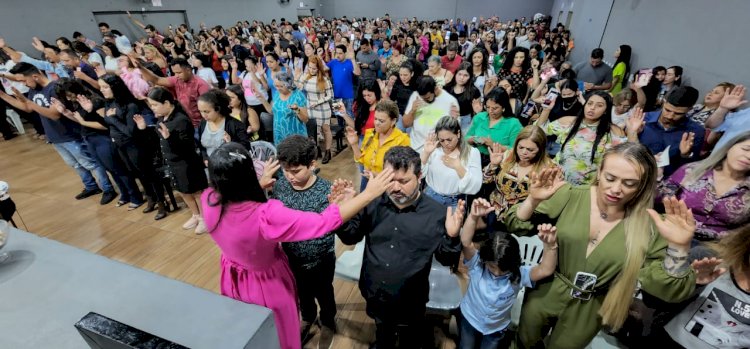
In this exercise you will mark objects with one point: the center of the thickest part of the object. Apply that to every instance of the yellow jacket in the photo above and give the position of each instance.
(373, 153)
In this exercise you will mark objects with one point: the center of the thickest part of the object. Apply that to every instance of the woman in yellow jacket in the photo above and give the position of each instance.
(378, 140)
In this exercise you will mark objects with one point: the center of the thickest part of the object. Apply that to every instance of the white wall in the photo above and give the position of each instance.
(706, 38)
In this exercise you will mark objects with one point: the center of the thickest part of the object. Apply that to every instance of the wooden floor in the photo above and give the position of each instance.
(44, 187)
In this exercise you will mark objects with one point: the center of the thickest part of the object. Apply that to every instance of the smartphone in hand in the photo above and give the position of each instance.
(551, 97)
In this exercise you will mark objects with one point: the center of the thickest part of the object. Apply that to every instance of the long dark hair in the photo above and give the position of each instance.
(605, 122)
(76, 87)
(485, 60)
(503, 251)
(120, 92)
(161, 95)
(510, 57)
(237, 90)
(624, 57)
(231, 174)
(501, 97)
(363, 109)
(113, 48)
(469, 87)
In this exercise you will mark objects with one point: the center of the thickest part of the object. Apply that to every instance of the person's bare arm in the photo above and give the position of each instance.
(135, 21)
(151, 77)
(16, 103)
(548, 235)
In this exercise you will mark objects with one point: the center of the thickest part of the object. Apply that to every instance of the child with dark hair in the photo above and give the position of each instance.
(312, 261)
(248, 229)
(495, 277)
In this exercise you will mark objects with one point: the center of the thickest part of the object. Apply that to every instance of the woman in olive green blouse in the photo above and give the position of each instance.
(607, 241)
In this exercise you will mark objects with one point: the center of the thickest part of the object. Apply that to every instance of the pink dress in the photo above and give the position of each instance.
(254, 268)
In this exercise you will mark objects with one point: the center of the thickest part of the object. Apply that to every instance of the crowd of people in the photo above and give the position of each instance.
(467, 134)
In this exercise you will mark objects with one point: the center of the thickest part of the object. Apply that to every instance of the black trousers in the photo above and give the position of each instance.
(399, 324)
(317, 284)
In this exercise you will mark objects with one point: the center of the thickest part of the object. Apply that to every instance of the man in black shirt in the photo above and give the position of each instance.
(402, 230)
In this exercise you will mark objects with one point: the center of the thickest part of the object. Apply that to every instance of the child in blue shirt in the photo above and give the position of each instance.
(495, 277)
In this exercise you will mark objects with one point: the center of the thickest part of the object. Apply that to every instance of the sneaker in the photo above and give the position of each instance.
(305, 334)
(200, 228)
(326, 338)
(108, 197)
(191, 223)
(86, 193)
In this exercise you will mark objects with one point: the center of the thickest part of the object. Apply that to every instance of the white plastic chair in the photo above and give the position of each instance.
(262, 150)
(15, 120)
(531, 254)
(445, 290)
(349, 264)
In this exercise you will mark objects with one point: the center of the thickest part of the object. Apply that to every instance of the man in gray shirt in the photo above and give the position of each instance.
(594, 74)
(368, 61)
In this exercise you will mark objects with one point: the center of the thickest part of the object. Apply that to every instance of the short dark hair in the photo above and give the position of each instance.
(364, 41)
(405, 158)
(425, 85)
(219, 100)
(389, 107)
(70, 52)
(81, 47)
(150, 27)
(597, 53)
(452, 47)
(24, 69)
(683, 96)
(342, 47)
(104, 24)
(77, 35)
(182, 62)
(296, 150)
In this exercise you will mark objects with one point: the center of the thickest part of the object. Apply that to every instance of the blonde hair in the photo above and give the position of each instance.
(734, 249)
(639, 233)
(541, 161)
(714, 161)
(321, 81)
(451, 124)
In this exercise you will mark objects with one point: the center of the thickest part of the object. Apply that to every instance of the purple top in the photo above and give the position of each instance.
(715, 215)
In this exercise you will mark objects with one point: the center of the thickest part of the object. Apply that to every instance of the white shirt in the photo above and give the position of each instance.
(445, 181)
(110, 64)
(427, 117)
(208, 75)
(7, 83)
(95, 59)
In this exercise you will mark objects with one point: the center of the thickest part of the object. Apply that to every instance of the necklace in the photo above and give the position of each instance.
(595, 240)
(568, 107)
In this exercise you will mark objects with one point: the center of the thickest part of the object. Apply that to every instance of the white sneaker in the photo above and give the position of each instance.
(200, 228)
(191, 223)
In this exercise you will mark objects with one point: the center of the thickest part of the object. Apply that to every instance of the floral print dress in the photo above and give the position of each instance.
(575, 159)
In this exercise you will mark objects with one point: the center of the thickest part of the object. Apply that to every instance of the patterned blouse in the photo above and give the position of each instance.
(714, 215)
(509, 190)
(285, 121)
(575, 159)
(318, 107)
(518, 80)
(699, 115)
(392, 65)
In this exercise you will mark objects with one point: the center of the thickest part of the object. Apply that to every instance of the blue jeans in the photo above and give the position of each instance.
(103, 150)
(470, 337)
(465, 121)
(74, 154)
(447, 201)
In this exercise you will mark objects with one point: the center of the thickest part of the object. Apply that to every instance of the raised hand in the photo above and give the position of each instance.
(678, 224)
(140, 122)
(351, 136)
(100, 70)
(57, 105)
(476, 106)
(341, 191)
(455, 112)
(2, 42)
(85, 103)
(636, 121)
(111, 112)
(378, 184)
(480, 208)
(233, 63)
(534, 64)
(226, 138)
(548, 234)
(544, 184)
(734, 99)
(164, 130)
(707, 270)
(430, 144)
(686, 144)
(37, 44)
(454, 219)
(497, 153)
(270, 167)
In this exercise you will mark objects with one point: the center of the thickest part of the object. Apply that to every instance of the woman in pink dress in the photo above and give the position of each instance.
(248, 229)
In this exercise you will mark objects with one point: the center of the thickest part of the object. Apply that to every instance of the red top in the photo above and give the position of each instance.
(187, 93)
(370, 122)
(453, 65)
